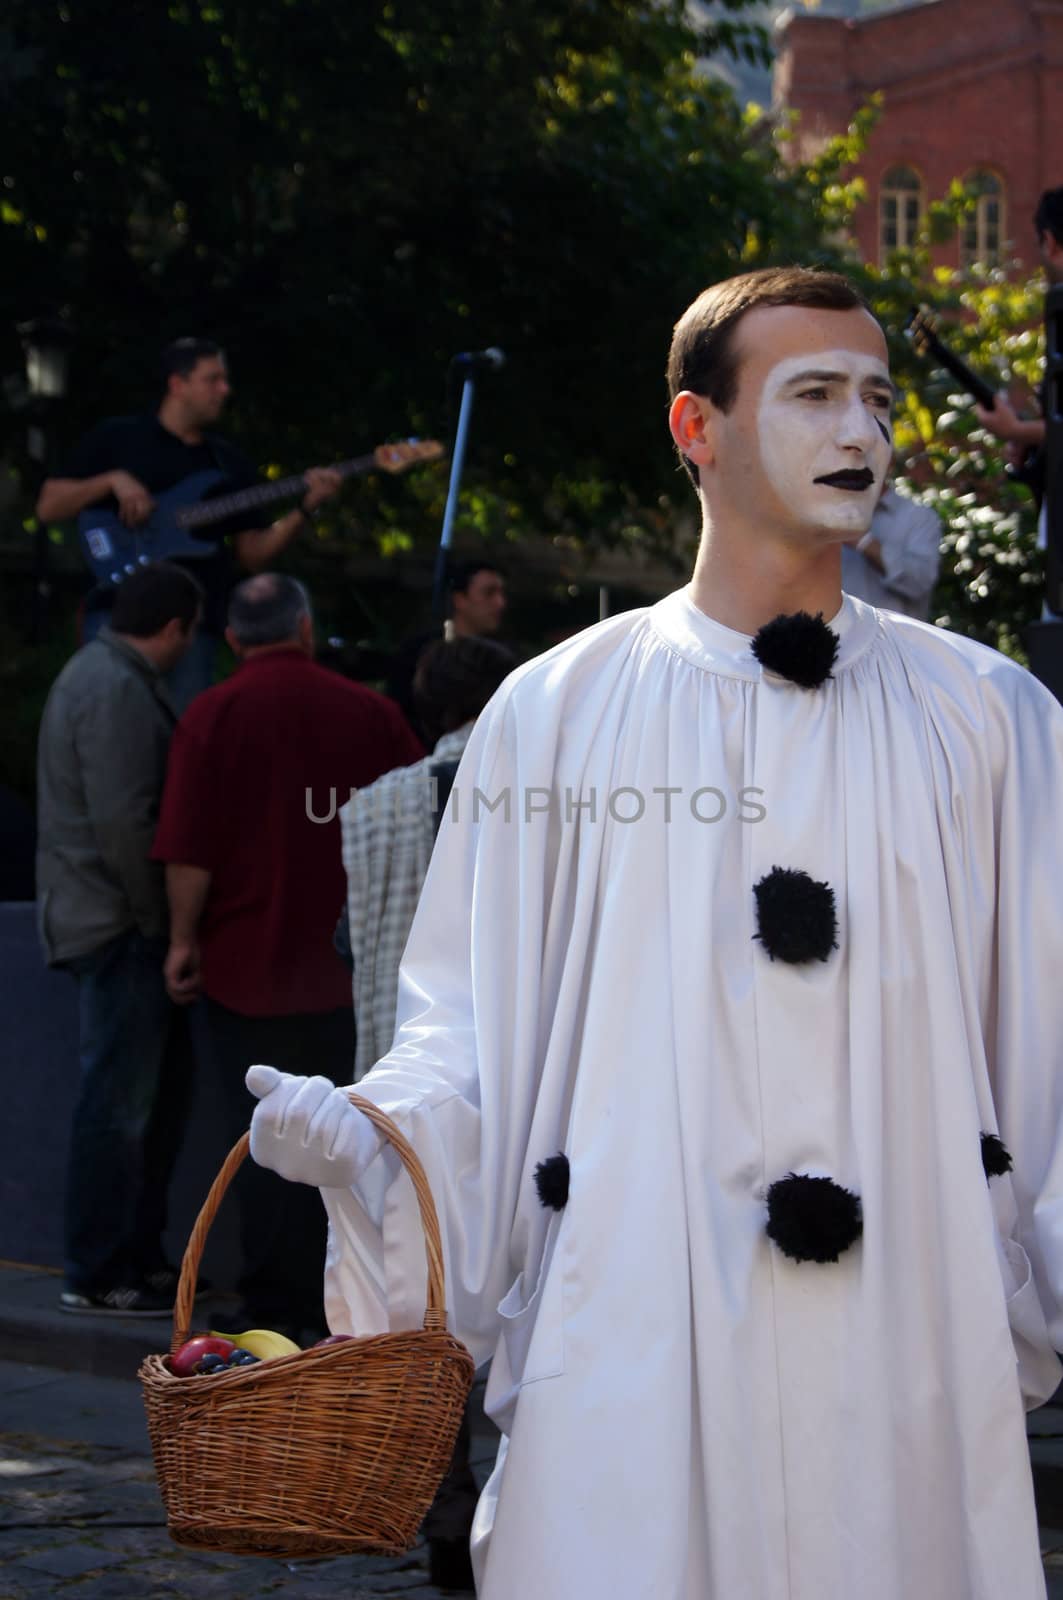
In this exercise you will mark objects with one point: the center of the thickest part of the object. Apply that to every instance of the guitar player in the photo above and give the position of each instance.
(1026, 435)
(124, 462)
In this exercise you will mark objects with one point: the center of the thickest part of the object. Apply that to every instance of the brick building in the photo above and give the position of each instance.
(972, 89)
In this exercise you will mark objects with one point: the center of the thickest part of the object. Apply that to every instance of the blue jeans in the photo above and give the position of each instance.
(129, 1117)
(192, 674)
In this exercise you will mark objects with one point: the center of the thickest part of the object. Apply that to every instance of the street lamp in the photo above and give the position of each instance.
(46, 345)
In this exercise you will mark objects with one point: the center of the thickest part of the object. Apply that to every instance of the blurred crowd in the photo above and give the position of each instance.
(191, 877)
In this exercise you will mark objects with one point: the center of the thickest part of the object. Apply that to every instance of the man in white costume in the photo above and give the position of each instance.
(759, 972)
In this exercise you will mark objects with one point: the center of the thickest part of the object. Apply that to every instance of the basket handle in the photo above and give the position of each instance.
(435, 1317)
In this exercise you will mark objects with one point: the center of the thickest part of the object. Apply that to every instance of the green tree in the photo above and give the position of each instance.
(992, 574)
(347, 195)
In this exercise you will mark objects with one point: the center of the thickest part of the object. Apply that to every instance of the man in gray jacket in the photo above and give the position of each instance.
(102, 913)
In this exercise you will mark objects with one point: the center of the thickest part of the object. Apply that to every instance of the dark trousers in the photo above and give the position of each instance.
(129, 1116)
(451, 1512)
(283, 1225)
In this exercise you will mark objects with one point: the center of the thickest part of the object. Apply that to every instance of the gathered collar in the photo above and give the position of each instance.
(716, 648)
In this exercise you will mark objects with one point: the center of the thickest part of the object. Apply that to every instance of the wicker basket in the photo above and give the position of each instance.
(332, 1451)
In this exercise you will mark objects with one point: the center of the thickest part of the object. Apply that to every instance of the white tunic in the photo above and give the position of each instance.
(691, 1415)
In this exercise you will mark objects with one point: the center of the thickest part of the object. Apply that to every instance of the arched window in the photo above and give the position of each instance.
(900, 206)
(983, 228)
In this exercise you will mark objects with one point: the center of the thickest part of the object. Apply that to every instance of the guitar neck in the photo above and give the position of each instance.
(205, 512)
(974, 385)
(959, 369)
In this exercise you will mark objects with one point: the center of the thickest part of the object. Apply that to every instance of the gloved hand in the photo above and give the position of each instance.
(308, 1131)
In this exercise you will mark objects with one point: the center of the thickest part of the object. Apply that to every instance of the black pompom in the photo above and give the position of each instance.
(551, 1180)
(801, 648)
(813, 1219)
(995, 1158)
(795, 916)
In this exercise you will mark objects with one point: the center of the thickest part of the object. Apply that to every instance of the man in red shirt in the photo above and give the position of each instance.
(258, 768)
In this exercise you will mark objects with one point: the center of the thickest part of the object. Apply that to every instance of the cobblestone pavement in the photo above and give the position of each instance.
(81, 1517)
(86, 1521)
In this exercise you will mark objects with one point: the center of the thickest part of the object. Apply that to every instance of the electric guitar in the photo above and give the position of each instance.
(113, 550)
(920, 330)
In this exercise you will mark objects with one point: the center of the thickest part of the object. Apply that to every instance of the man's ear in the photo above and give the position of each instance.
(690, 418)
(233, 643)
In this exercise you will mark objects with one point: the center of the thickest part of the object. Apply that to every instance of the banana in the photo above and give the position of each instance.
(262, 1342)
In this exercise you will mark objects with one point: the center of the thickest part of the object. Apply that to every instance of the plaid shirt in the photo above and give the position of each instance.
(388, 833)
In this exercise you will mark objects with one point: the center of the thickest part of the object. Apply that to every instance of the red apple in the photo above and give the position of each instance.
(182, 1365)
(333, 1338)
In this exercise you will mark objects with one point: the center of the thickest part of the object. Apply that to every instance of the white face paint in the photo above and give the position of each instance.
(822, 414)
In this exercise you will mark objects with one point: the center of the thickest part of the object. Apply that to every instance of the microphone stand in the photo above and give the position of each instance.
(457, 461)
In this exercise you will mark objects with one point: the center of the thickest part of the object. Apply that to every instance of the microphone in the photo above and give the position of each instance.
(490, 360)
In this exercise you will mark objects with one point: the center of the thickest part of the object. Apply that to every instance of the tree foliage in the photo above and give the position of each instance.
(992, 573)
(991, 579)
(347, 195)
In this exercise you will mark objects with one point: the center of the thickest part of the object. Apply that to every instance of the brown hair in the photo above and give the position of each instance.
(454, 680)
(153, 596)
(702, 358)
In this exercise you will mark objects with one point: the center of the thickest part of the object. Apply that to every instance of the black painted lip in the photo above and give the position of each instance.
(855, 479)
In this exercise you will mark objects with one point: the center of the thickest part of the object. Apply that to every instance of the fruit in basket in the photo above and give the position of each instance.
(333, 1338)
(243, 1358)
(264, 1343)
(184, 1362)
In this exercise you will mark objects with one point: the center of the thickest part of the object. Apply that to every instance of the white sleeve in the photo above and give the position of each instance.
(462, 1077)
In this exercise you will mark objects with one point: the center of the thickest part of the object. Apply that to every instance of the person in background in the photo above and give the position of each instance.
(478, 600)
(895, 563)
(124, 462)
(1024, 437)
(388, 829)
(249, 835)
(478, 603)
(102, 750)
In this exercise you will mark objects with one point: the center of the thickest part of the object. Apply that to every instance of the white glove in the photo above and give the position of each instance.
(308, 1131)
